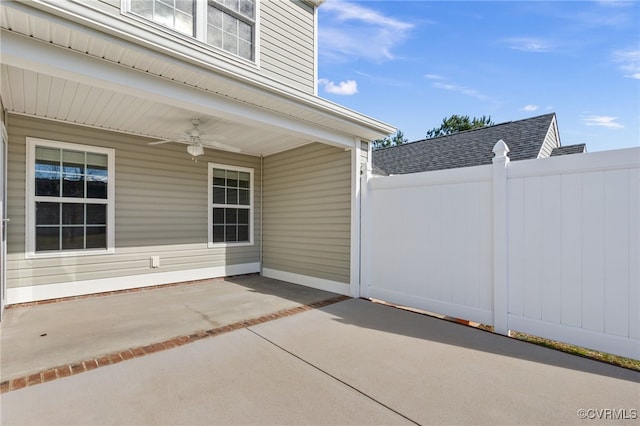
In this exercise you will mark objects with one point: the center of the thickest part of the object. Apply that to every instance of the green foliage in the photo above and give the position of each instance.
(397, 139)
(458, 123)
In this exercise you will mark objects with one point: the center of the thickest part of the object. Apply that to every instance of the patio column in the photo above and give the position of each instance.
(355, 258)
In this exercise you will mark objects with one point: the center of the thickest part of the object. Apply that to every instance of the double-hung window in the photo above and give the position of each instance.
(230, 205)
(226, 24)
(70, 197)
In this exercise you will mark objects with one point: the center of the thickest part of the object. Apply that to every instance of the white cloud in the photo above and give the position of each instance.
(530, 108)
(349, 87)
(345, 11)
(602, 121)
(440, 82)
(529, 44)
(350, 31)
(629, 62)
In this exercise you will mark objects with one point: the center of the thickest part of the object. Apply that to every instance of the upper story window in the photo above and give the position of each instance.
(225, 24)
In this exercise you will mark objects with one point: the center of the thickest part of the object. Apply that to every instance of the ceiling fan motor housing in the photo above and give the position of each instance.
(195, 149)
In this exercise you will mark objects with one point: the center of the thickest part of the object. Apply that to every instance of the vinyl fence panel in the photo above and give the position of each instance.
(572, 246)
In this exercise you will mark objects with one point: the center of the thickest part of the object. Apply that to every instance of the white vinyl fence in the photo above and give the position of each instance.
(549, 247)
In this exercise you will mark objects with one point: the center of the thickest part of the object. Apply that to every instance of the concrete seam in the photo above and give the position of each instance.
(382, 404)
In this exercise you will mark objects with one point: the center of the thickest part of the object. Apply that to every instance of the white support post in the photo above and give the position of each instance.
(365, 228)
(500, 241)
(355, 220)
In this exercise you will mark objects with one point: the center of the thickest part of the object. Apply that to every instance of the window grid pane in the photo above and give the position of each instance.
(231, 206)
(230, 26)
(229, 23)
(74, 178)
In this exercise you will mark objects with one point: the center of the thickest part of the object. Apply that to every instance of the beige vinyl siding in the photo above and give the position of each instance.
(160, 208)
(307, 209)
(287, 42)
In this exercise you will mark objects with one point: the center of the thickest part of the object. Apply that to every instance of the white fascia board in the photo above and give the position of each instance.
(117, 30)
(23, 52)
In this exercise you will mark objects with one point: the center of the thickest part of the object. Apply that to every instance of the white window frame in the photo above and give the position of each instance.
(30, 198)
(200, 36)
(210, 205)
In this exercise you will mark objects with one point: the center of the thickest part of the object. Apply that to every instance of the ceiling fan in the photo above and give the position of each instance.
(198, 140)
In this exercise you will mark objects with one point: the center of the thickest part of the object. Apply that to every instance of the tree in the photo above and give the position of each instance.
(395, 140)
(458, 123)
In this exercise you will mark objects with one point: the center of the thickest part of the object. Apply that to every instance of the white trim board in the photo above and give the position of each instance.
(79, 288)
(313, 282)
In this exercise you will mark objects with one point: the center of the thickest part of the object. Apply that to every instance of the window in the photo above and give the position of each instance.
(225, 24)
(176, 14)
(230, 205)
(70, 196)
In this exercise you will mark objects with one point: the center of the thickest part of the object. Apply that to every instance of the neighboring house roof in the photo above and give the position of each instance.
(530, 138)
(569, 149)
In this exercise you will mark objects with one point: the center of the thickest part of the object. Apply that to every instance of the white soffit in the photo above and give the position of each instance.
(113, 108)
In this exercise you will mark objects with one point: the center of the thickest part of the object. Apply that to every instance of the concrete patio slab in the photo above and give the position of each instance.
(353, 362)
(438, 372)
(34, 338)
(236, 378)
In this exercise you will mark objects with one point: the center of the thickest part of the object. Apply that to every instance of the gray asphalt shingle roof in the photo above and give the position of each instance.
(569, 149)
(469, 148)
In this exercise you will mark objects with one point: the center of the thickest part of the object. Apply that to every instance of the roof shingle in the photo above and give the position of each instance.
(464, 149)
(569, 149)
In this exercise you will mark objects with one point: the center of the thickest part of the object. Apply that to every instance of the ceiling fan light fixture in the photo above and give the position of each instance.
(195, 150)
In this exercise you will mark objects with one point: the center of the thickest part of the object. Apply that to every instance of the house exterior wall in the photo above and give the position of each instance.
(160, 209)
(307, 213)
(286, 41)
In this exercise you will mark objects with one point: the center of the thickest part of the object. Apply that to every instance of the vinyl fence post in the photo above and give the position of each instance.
(500, 241)
(366, 229)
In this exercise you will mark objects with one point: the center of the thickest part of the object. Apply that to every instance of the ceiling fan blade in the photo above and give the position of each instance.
(222, 146)
(161, 142)
(212, 138)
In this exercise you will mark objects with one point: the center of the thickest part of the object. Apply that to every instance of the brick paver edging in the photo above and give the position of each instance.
(116, 357)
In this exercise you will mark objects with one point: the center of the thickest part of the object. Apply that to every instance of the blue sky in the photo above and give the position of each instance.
(411, 63)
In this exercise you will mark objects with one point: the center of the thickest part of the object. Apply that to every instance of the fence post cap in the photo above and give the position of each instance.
(500, 149)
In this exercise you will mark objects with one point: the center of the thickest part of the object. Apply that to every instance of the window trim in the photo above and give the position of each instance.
(200, 26)
(210, 243)
(30, 214)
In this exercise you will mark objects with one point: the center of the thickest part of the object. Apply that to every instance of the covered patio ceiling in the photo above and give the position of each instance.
(61, 70)
(42, 95)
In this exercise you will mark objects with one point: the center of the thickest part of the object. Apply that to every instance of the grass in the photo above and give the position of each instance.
(620, 361)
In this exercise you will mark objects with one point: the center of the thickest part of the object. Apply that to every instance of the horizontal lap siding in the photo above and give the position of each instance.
(551, 141)
(160, 208)
(307, 216)
(287, 43)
